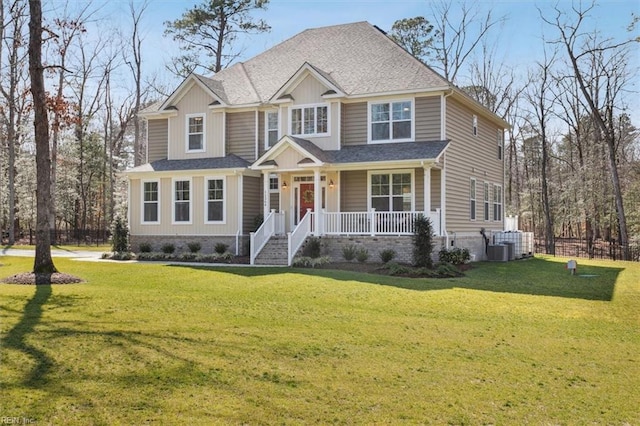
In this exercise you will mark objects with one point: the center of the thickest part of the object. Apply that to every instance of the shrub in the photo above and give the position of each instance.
(455, 256)
(387, 255)
(120, 232)
(194, 247)
(226, 256)
(220, 248)
(395, 269)
(145, 248)
(257, 222)
(206, 258)
(168, 248)
(310, 262)
(312, 248)
(422, 242)
(349, 252)
(362, 255)
(188, 257)
(448, 270)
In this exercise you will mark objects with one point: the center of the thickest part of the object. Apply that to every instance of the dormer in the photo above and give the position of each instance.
(310, 100)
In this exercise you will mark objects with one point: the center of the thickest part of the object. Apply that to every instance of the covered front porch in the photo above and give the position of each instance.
(364, 190)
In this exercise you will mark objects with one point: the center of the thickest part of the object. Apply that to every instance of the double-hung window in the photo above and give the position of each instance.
(472, 199)
(274, 184)
(474, 125)
(391, 191)
(500, 143)
(497, 202)
(195, 132)
(150, 202)
(391, 121)
(312, 120)
(271, 128)
(486, 201)
(181, 201)
(215, 200)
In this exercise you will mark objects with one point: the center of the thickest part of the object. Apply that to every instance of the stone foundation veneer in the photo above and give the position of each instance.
(332, 246)
(181, 243)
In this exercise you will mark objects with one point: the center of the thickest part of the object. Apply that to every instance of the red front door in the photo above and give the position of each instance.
(307, 197)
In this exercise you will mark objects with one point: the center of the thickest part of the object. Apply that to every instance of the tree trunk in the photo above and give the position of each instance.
(43, 263)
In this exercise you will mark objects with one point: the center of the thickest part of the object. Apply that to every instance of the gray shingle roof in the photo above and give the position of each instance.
(229, 162)
(358, 58)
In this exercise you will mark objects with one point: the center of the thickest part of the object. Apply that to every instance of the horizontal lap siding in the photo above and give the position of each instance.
(354, 124)
(157, 139)
(469, 156)
(428, 118)
(241, 134)
(252, 202)
(353, 191)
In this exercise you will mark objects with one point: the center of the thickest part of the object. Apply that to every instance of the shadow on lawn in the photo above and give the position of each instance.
(535, 276)
(16, 338)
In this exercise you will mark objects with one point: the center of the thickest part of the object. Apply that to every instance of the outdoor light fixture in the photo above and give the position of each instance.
(284, 184)
(331, 183)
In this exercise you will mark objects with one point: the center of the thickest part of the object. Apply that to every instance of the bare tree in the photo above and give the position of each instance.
(43, 262)
(601, 72)
(136, 70)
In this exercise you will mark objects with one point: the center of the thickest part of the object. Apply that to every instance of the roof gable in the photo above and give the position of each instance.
(211, 87)
(307, 69)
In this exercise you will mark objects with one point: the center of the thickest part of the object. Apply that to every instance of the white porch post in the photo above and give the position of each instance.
(266, 203)
(317, 201)
(427, 191)
(443, 198)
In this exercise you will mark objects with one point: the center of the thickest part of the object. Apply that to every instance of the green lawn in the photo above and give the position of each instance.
(516, 343)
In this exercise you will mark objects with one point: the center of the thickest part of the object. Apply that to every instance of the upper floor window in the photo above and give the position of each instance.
(182, 201)
(475, 125)
(271, 128)
(500, 137)
(274, 184)
(310, 120)
(195, 132)
(391, 121)
(150, 202)
(215, 200)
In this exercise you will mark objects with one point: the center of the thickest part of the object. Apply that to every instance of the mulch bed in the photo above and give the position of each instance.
(29, 278)
(380, 269)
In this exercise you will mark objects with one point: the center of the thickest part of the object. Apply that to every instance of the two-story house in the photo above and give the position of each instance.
(336, 132)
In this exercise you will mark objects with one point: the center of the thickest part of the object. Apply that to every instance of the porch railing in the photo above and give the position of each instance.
(374, 222)
(299, 234)
(273, 224)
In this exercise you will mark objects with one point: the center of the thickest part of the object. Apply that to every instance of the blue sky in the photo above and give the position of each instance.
(520, 37)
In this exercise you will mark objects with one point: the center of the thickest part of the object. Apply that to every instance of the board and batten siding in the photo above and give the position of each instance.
(157, 139)
(197, 226)
(241, 134)
(195, 101)
(354, 124)
(427, 118)
(251, 202)
(467, 157)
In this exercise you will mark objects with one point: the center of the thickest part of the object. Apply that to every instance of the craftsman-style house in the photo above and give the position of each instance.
(337, 132)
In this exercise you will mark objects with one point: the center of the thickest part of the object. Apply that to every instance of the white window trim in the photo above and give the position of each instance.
(392, 101)
(392, 172)
(142, 182)
(498, 202)
(302, 107)
(277, 190)
(473, 200)
(173, 201)
(204, 133)
(486, 203)
(224, 200)
(266, 127)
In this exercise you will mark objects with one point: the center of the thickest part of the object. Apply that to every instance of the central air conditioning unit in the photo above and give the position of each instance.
(498, 253)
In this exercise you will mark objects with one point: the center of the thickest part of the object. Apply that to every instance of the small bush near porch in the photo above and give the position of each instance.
(510, 343)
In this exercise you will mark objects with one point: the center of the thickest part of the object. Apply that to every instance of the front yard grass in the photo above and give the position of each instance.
(516, 343)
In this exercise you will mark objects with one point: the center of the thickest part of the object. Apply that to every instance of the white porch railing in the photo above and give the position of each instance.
(299, 234)
(374, 222)
(273, 224)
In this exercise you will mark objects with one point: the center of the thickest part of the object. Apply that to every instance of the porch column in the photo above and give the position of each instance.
(443, 198)
(266, 203)
(427, 191)
(317, 201)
